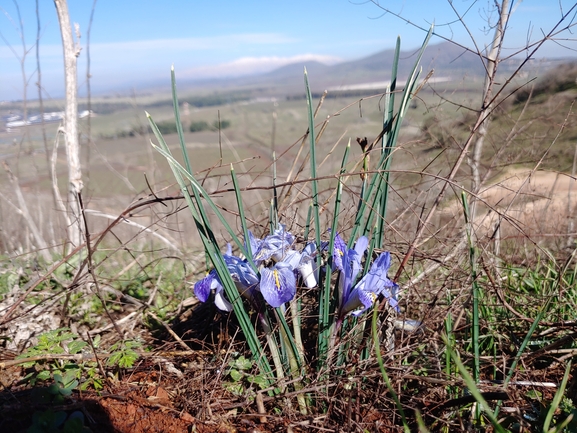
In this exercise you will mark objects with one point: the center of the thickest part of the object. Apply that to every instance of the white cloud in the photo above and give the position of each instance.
(253, 65)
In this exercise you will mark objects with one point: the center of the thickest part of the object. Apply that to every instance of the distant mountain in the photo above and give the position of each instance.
(447, 59)
(297, 69)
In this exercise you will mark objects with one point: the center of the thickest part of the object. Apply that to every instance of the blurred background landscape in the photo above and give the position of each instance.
(262, 113)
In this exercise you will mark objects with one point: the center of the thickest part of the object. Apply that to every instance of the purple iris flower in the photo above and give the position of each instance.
(339, 250)
(357, 298)
(203, 288)
(273, 246)
(254, 243)
(376, 282)
(245, 279)
(276, 284)
(348, 261)
(278, 267)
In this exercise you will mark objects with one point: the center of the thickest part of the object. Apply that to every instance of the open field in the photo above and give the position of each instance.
(251, 126)
(119, 169)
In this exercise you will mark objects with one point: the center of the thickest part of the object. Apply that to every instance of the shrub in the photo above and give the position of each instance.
(223, 124)
(167, 127)
(559, 79)
(200, 125)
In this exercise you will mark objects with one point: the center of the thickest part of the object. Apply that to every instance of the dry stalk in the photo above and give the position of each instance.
(23, 211)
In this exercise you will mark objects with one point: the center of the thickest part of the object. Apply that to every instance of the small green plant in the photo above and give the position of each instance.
(123, 354)
(239, 371)
(51, 344)
(56, 392)
(58, 341)
(557, 403)
(66, 373)
(64, 385)
(50, 421)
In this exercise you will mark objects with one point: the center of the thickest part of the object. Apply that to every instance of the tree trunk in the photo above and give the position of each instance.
(487, 109)
(71, 124)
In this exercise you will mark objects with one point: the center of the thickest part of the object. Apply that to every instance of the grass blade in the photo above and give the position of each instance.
(536, 323)
(557, 399)
(475, 296)
(330, 332)
(241, 215)
(377, 345)
(324, 294)
(198, 189)
(380, 181)
(475, 290)
(178, 122)
(472, 388)
(313, 161)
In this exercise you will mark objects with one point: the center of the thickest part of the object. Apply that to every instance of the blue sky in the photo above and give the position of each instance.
(136, 41)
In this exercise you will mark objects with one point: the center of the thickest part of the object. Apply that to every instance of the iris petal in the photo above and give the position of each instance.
(377, 281)
(245, 278)
(307, 272)
(392, 301)
(358, 302)
(338, 252)
(377, 276)
(274, 246)
(202, 288)
(254, 242)
(360, 248)
(221, 302)
(293, 258)
(361, 245)
(277, 285)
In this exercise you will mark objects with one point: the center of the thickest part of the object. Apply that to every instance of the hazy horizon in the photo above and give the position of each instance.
(134, 44)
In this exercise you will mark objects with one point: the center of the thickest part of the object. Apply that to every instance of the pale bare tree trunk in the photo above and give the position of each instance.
(71, 53)
(487, 108)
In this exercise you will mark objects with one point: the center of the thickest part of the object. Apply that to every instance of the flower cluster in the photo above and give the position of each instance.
(276, 267)
(356, 297)
(277, 264)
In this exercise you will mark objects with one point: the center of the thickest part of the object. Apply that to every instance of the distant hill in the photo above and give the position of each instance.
(296, 69)
(447, 59)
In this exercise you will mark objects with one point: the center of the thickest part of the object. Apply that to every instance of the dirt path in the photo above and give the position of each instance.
(538, 203)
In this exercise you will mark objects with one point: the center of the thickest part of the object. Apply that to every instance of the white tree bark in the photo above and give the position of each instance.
(485, 114)
(71, 53)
